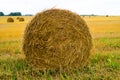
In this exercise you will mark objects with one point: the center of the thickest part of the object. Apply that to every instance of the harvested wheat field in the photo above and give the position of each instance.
(103, 64)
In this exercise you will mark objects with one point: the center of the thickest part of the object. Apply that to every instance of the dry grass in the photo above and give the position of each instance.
(3, 19)
(10, 20)
(57, 39)
(21, 19)
(104, 64)
(101, 26)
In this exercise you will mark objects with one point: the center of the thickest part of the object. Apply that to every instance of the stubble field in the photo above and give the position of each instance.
(103, 64)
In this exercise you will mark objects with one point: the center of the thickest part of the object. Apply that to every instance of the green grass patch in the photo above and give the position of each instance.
(107, 44)
(100, 67)
(104, 64)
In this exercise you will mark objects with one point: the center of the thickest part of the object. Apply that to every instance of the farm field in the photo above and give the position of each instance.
(103, 64)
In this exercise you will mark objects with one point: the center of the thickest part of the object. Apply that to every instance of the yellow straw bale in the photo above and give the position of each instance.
(55, 39)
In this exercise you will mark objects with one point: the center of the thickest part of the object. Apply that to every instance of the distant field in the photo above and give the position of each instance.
(104, 63)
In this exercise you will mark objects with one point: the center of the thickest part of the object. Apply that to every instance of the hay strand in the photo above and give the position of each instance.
(57, 39)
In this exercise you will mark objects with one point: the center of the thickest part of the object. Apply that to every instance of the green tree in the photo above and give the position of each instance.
(1, 14)
(15, 14)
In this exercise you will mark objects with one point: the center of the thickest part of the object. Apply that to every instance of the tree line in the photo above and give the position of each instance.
(14, 14)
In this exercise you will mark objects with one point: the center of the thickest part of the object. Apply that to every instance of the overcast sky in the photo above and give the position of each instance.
(98, 7)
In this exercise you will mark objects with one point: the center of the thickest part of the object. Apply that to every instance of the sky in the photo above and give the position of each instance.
(97, 7)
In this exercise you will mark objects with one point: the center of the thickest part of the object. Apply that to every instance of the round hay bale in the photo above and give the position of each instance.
(57, 39)
(21, 19)
(18, 18)
(10, 20)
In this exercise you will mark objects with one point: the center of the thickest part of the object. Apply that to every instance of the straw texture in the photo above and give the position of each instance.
(55, 39)
(10, 20)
